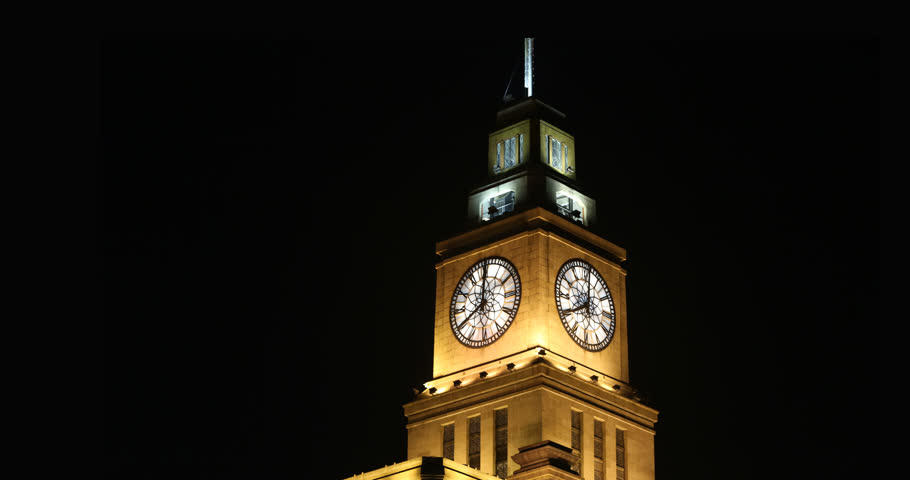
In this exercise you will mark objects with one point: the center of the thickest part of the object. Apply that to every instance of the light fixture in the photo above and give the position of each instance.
(616, 387)
(483, 374)
(572, 369)
(541, 352)
(457, 383)
(593, 378)
(432, 390)
(510, 366)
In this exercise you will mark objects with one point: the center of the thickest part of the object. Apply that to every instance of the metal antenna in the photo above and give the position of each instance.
(529, 64)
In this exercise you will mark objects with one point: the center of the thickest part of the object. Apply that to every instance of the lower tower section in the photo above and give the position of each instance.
(484, 422)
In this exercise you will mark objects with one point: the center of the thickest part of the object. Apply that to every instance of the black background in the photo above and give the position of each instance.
(270, 203)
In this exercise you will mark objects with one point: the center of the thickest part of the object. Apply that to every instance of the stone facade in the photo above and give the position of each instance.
(537, 253)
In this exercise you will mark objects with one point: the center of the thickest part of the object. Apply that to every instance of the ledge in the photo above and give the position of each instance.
(527, 220)
(535, 373)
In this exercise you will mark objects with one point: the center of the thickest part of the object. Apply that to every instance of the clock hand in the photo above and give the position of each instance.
(588, 302)
(483, 286)
(579, 307)
(588, 281)
(468, 317)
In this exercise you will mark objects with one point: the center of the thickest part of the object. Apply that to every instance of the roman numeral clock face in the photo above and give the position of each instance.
(585, 305)
(485, 302)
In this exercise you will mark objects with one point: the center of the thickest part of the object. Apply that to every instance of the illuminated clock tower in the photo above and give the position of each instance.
(530, 357)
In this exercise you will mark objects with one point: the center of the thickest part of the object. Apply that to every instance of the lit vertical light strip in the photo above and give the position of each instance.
(521, 147)
(529, 64)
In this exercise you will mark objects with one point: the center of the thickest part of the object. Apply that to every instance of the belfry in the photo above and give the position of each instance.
(530, 354)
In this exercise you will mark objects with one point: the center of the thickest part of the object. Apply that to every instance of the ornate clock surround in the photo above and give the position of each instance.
(485, 302)
(585, 305)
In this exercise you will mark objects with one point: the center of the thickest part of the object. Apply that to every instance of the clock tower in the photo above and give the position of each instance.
(530, 353)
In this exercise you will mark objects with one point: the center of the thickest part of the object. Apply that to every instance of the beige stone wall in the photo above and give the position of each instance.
(450, 355)
(613, 360)
(557, 426)
(537, 411)
(536, 415)
(425, 438)
(537, 255)
(419, 467)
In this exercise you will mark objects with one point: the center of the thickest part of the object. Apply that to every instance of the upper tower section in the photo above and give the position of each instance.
(529, 273)
(530, 163)
(527, 135)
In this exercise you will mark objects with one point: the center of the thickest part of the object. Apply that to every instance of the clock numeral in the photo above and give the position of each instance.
(510, 293)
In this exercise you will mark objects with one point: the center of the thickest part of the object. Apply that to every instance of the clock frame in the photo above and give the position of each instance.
(485, 302)
(585, 305)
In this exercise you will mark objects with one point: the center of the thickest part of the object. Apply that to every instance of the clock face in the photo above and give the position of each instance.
(485, 302)
(585, 305)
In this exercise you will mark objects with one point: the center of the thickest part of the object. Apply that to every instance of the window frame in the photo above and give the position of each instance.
(578, 452)
(474, 420)
(497, 428)
(450, 442)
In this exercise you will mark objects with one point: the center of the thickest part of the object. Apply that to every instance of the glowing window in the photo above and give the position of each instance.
(558, 154)
(521, 147)
(569, 207)
(498, 205)
(555, 154)
(509, 153)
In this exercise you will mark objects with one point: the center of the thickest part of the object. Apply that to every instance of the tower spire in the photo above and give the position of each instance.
(529, 64)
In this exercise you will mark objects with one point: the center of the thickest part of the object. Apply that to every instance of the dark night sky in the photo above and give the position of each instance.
(269, 207)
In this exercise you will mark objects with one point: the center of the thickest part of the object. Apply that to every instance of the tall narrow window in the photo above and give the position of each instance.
(598, 450)
(555, 153)
(474, 442)
(502, 443)
(620, 454)
(448, 441)
(508, 159)
(508, 153)
(576, 440)
(521, 147)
